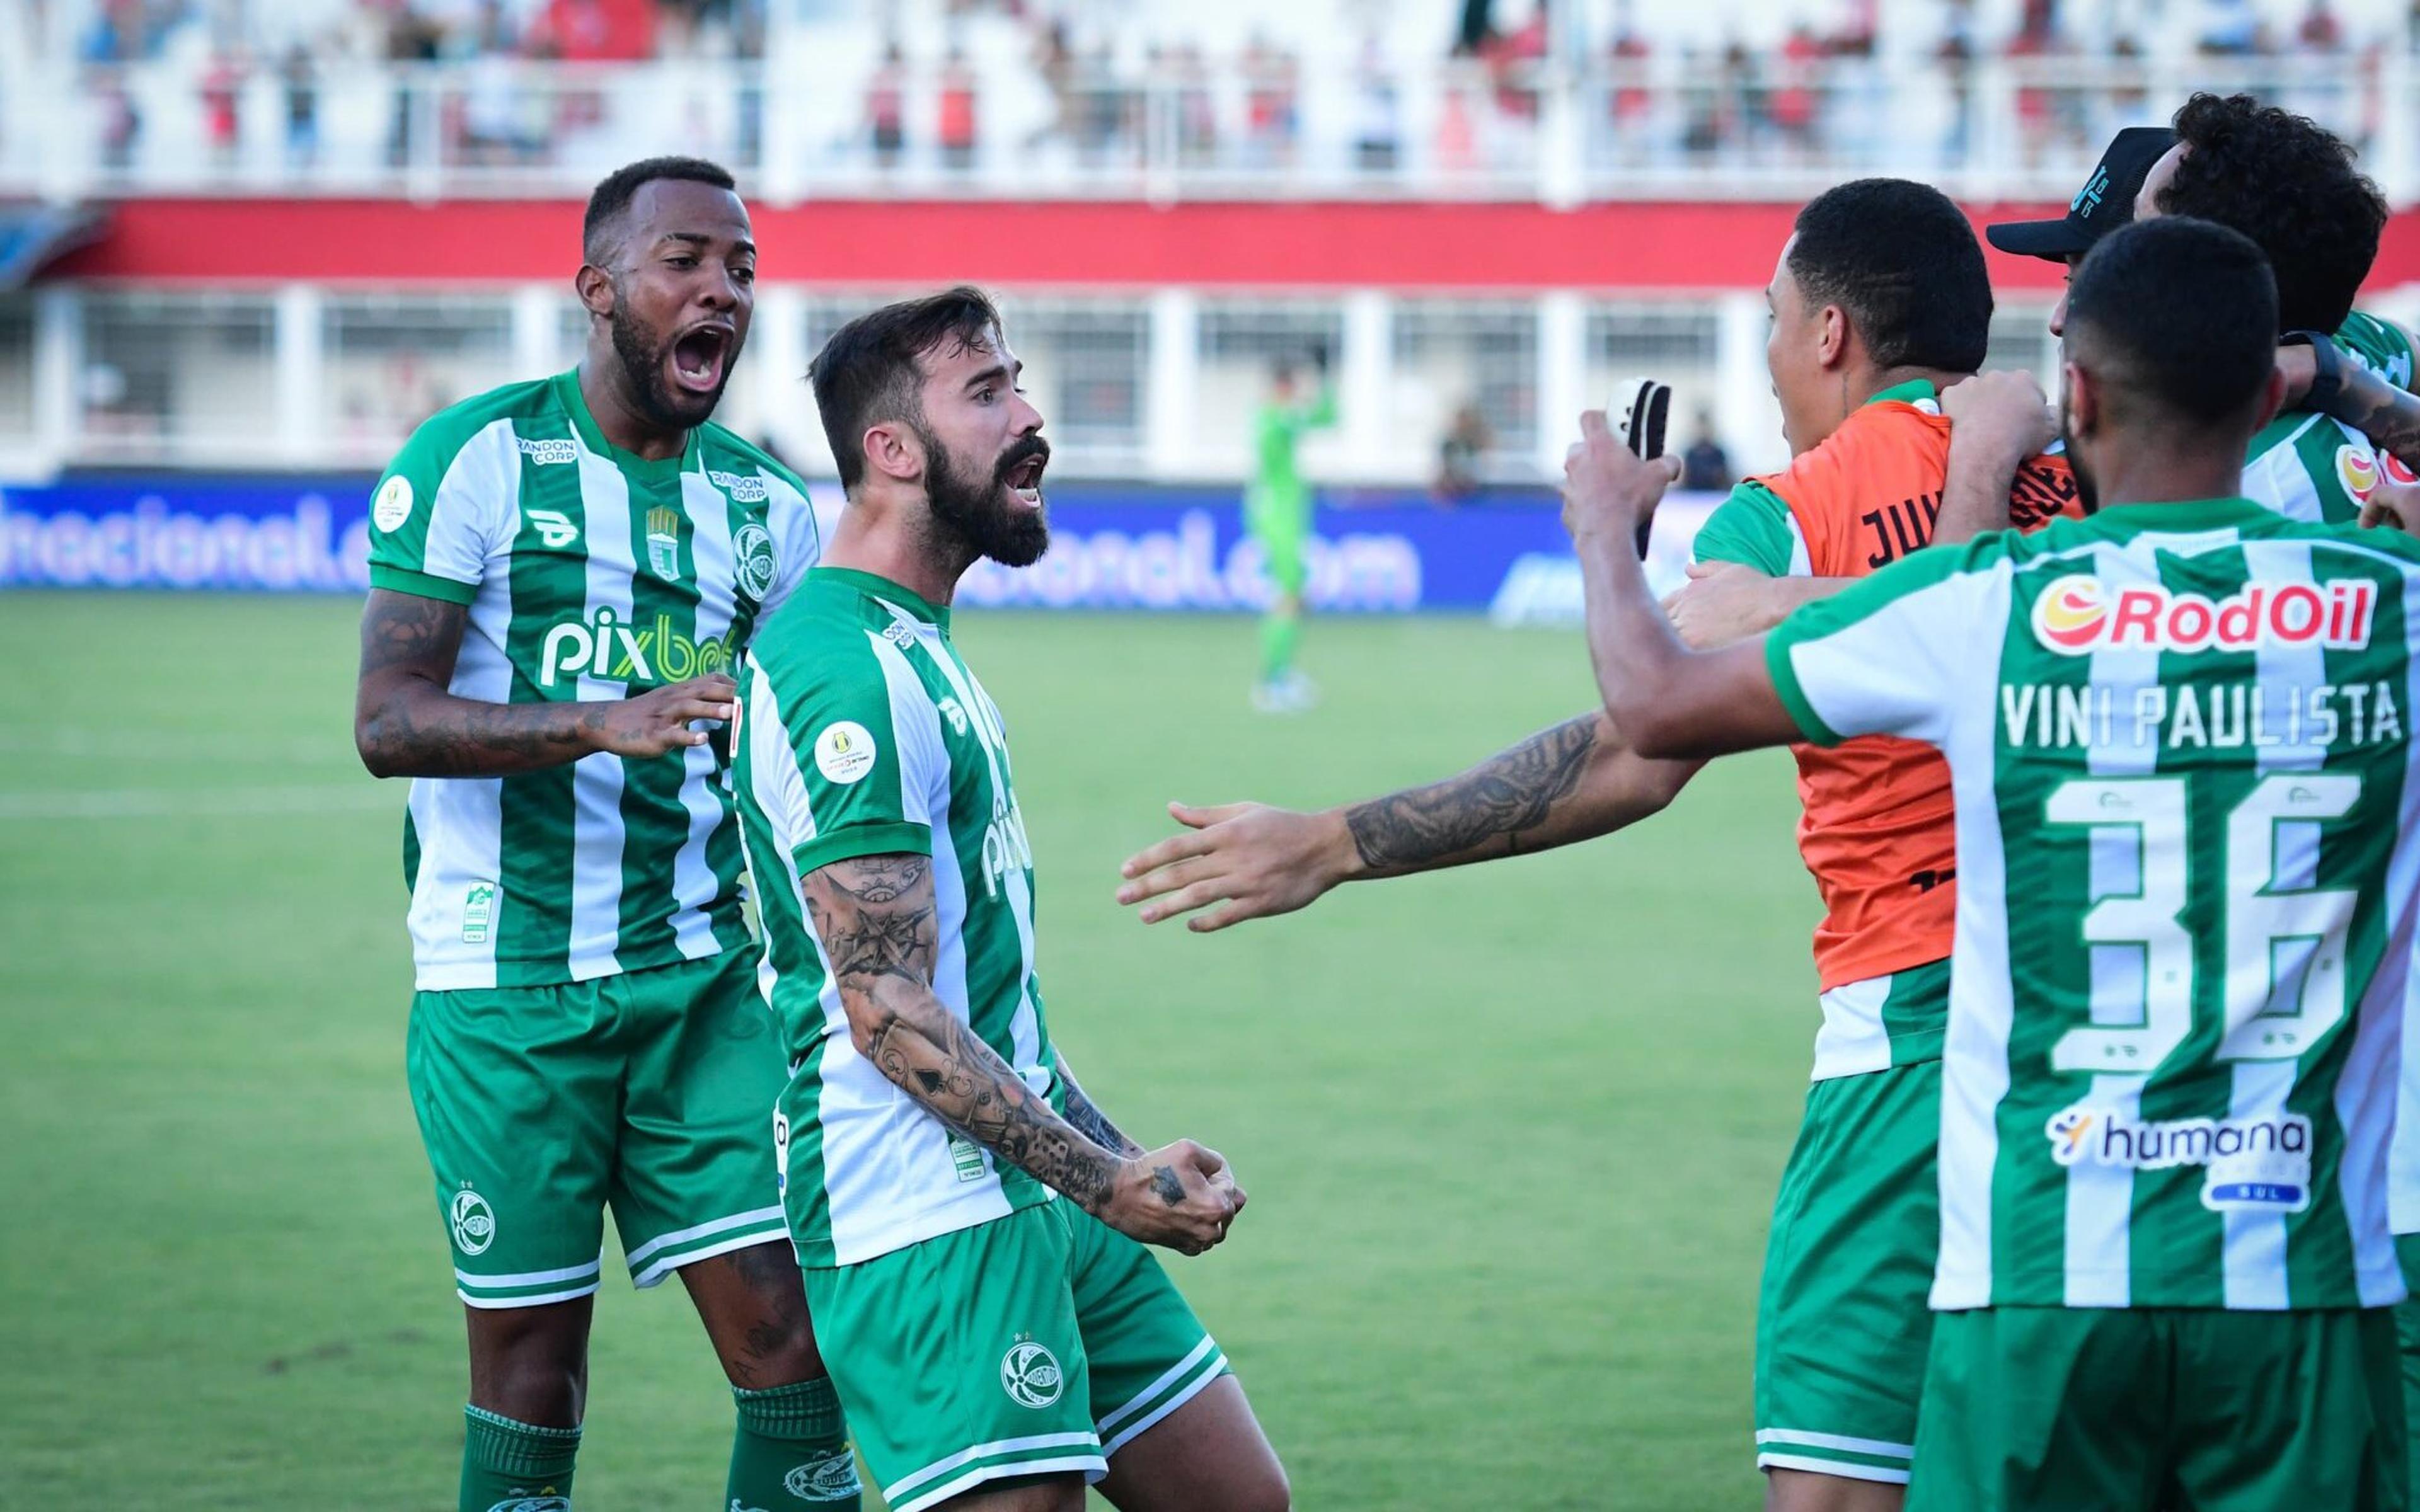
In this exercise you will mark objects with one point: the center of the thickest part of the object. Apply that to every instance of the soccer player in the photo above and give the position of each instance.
(2178, 734)
(2292, 186)
(1277, 510)
(564, 576)
(1881, 301)
(998, 1347)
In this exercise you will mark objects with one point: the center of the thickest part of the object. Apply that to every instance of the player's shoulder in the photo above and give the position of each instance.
(437, 441)
(827, 634)
(1882, 444)
(727, 451)
(2380, 346)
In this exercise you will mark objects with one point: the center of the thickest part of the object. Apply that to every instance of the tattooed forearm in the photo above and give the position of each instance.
(1491, 805)
(2387, 415)
(406, 724)
(874, 917)
(1086, 1116)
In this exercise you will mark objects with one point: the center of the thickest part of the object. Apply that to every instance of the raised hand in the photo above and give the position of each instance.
(1249, 859)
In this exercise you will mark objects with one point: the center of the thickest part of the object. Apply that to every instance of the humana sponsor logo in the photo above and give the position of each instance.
(2252, 1163)
(609, 648)
(2078, 615)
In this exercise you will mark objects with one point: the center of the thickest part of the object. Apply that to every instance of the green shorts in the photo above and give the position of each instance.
(651, 1090)
(1844, 1318)
(2059, 1408)
(1033, 1344)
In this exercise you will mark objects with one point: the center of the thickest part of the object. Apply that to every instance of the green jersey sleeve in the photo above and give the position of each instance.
(2382, 345)
(1889, 654)
(851, 754)
(1755, 528)
(448, 502)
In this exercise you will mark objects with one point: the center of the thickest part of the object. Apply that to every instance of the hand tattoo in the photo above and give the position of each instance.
(1165, 1186)
(875, 918)
(1498, 800)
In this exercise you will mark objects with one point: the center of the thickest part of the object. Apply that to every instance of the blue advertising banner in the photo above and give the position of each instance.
(1123, 546)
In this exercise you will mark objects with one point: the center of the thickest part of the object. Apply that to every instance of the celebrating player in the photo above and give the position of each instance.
(565, 575)
(2291, 186)
(1277, 510)
(997, 1347)
(1880, 300)
(2176, 731)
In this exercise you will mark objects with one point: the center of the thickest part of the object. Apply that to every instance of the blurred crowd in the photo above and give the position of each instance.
(952, 86)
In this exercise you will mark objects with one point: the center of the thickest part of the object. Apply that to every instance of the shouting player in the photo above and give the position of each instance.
(1880, 301)
(998, 1348)
(564, 577)
(2178, 731)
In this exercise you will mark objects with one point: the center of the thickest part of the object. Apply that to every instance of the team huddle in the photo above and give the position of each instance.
(2109, 1177)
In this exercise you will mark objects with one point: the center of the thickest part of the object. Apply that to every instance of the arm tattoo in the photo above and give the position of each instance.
(1086, 1116)
(406, 724)
(874, 917)
(1496, 800)
(2380, 410)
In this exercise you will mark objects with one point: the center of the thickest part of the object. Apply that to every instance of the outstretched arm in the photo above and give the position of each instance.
(874, 917)
(2387, 415)
(406, 724)
(1572, 782)
(1669, 701)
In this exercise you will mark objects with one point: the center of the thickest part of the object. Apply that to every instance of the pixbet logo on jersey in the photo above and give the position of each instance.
(616, 651)
(2078, 615)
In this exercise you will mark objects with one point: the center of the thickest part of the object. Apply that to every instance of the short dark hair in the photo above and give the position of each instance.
(1903, 260)
(613, 195)
(868, 372)
(2292, 186)
(2177, 315)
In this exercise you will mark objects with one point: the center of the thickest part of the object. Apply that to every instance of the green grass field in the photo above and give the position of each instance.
(1511, 1134)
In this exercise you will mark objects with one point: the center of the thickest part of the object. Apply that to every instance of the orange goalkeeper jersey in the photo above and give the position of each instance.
(1877, 829)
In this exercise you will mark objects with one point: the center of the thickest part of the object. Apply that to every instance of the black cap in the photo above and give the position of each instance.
(2105, 202)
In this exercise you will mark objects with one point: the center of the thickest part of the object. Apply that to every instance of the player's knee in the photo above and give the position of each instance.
(530, 1365)
(1266, 1492)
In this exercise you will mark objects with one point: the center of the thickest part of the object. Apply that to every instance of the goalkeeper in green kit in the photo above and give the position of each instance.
(1277, 512)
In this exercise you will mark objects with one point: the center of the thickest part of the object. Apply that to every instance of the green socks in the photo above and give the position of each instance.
(1279, 632)
(791, 1451)
(515, 1467)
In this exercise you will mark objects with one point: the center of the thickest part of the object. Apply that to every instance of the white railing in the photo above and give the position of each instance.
(1757, 126)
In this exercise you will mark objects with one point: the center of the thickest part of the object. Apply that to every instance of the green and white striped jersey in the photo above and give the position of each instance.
(863, 732)
(2308, 467)
(589, 574)
(2188, 856)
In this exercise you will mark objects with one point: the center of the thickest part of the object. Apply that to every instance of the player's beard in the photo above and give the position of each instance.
(984, 512)
(645, 356)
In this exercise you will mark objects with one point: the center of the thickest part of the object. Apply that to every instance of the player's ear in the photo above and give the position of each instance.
(1832, 348)
(2079, 400)
(896, 451)
(595, 286)
(2273, 397)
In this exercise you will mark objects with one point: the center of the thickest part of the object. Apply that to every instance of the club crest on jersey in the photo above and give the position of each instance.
(2361, 471)
(2078, 615)
(2251, 1163)
(664, 543)
(754, 560)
